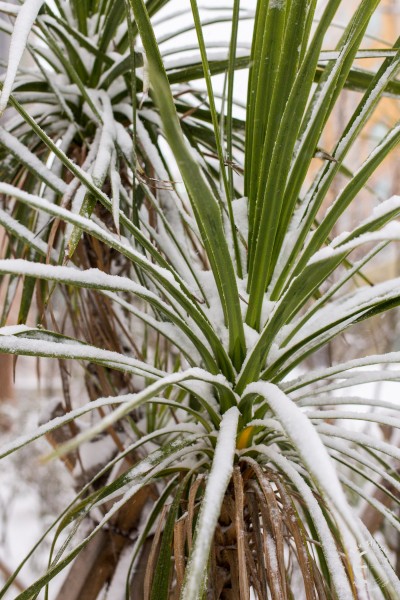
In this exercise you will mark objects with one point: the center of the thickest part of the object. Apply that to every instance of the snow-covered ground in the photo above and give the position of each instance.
(31, 493)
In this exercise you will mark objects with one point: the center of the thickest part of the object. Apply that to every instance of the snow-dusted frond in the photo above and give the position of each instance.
(220, 475)
(187, 247)
(23, 24)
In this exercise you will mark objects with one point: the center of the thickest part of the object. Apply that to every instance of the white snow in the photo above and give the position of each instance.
(273, 559)
(86, 278)
(344, 310)
(278, 4)
(333, 400)
(389, 420)
(124, 141)
(19, 230)
(13, 329)
(322, 254)
(96, 453)
(31, 161)
(390, 205)
(43, 347)
(9, 8)
(107, 141)
(346, 241)
(357, 437)
(218, 480)
(251, 336)
(214, 312)
(327, 55)
(240, 212)
(91, 278)
(115, 179)
(22, 27)
(345, 370)
(116, 590)
(88, 225)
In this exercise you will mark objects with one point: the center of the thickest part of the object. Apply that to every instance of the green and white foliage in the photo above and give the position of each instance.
(193, 308)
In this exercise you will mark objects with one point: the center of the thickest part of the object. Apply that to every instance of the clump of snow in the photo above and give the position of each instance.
(13, 329)
(251, 335)
(215, 313)
(385, 207)
(266, 310)
(240, 212)
(322, 254)
(277, 4)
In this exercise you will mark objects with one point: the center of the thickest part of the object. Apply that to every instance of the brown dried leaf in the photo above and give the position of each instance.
(179, 551)
(240, 535)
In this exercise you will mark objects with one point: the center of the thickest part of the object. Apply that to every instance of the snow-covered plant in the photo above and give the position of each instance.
(194, 308)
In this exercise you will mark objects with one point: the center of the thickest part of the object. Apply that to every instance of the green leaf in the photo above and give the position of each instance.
(161, 580)
(275, 172)
(203, 201)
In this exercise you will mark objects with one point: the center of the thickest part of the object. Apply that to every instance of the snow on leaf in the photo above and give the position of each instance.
(7, 7)
(306, 440)
(13, 329)
(31, 161)
(86, 278)
(10, 344)
(338, 315)
(218, 480)
(115, 179)
(344, 370)
(87, 225)
(384, 208)
(107, 141)
(18, 230)
(345, 242)
(334, 415)
(23, 25)
(363, 439)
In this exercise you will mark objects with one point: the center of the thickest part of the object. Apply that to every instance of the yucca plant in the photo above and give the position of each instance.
(223, 463)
